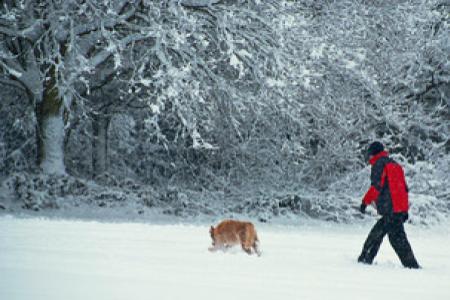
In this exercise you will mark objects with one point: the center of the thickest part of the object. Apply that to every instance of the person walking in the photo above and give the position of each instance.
(389, 192)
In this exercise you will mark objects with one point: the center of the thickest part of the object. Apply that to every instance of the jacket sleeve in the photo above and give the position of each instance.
(376, 183)
(371, 195)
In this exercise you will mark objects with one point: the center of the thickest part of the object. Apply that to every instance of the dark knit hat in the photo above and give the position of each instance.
(375, 148)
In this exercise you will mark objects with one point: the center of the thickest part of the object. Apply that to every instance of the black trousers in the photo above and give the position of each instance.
(392, 225)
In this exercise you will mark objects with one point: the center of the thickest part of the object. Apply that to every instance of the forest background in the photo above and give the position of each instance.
(213, 108)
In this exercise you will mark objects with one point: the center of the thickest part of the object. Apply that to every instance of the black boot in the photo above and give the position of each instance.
(363, 260)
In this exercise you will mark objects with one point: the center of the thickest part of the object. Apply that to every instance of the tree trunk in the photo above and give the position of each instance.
(100, 124)
(50, 131)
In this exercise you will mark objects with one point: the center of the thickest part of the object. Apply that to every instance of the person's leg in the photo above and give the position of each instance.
(400, 243)
(373, 242)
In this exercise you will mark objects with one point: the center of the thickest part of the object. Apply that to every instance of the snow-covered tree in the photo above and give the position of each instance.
(350, 74)
(206, 75)
(55, 51)
(227, 93)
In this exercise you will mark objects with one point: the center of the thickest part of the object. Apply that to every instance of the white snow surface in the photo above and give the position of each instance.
(71, 259)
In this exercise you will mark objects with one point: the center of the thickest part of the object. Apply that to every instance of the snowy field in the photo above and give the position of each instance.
(66, 259)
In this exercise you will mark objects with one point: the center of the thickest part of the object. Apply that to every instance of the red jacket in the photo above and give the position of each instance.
(388, 185)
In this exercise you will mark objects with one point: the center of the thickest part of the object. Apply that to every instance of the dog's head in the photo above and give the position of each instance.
(211, 232)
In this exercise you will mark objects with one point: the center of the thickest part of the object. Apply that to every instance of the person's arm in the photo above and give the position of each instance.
(370, 196)
(376, 182)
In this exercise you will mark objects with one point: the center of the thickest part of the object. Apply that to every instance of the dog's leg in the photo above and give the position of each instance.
(247, 249)
(247, 246)
(256, 248)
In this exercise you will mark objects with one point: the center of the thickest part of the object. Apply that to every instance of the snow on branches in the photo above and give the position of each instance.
(228, 93)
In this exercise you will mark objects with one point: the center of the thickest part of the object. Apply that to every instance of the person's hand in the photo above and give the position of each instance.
(362, 208)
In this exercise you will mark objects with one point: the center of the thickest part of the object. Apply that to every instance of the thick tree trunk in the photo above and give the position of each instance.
(50, 131)
(100, 124)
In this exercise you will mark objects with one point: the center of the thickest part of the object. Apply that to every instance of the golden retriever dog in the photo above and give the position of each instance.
(231, 232)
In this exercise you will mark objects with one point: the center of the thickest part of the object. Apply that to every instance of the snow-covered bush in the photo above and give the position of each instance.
(40, 191)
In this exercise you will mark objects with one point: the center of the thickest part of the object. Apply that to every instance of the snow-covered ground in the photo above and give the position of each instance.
(67, 259)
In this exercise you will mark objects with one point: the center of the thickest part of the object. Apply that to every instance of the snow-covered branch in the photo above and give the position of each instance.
(289, 90)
